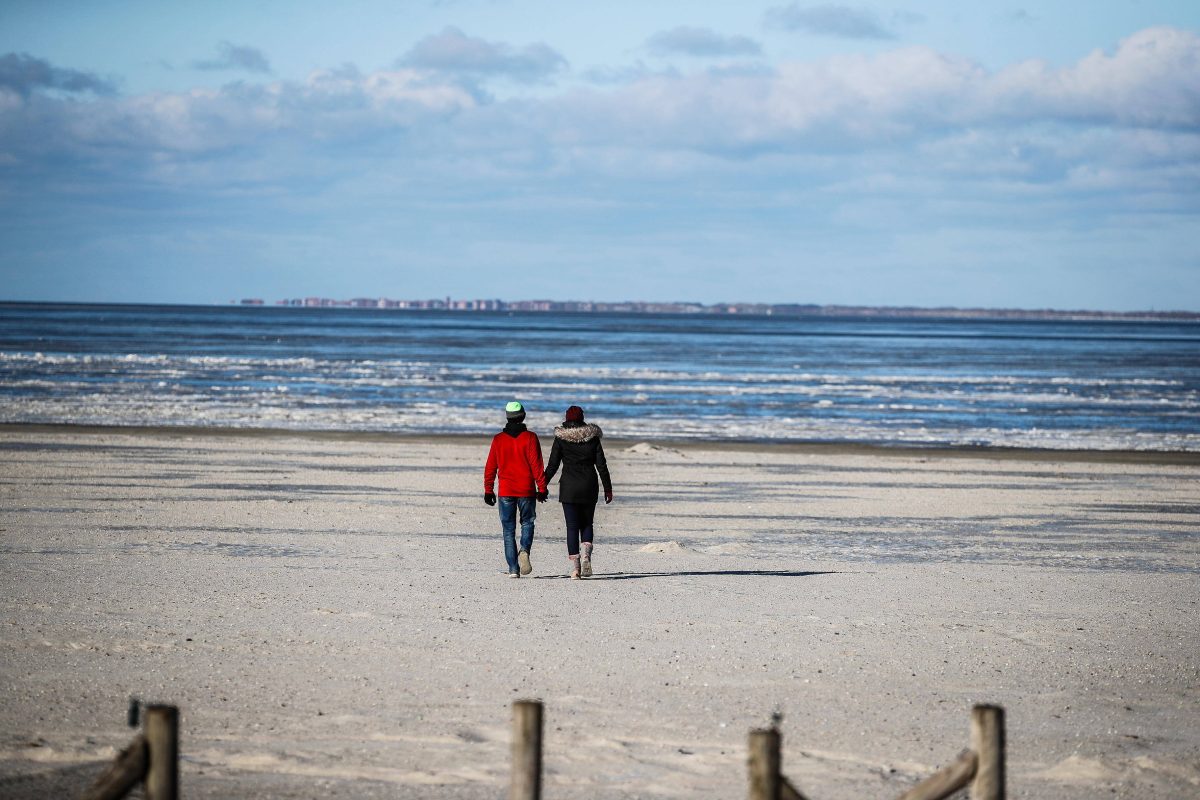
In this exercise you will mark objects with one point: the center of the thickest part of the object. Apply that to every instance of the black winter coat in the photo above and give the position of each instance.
(577, 448)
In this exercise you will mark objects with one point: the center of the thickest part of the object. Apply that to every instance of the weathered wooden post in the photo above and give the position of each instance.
(526, 751)
(987, 740)
(945, 782)
(764, 765)
(162, 753)
(122, 775)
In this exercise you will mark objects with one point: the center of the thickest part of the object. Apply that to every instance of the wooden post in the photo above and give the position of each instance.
(526, 751)
(987, 740)
(162, 751)
(946, 781)
(122, 775)
(764, 765)
(789, 792)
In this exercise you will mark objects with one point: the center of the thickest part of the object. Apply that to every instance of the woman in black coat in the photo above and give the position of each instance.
(578, 450)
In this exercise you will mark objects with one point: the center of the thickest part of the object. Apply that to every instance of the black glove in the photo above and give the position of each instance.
(607, 496)
(541, 496)
(489, 498)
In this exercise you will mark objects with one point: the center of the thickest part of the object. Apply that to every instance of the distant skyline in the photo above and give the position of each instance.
(580, 305)
(922, 154)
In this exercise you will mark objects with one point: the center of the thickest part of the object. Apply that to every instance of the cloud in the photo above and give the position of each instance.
(1026, 116)
(629, 73)
(165, 133)
(452, 52)
(829, 20)
(235, 57)
(701, 42)
(23, 74)
(856, 101)
(1151, 80)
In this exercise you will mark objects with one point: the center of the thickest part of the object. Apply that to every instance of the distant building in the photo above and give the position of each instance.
(743, 309)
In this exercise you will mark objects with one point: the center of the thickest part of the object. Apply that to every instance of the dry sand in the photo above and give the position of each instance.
(331, 616)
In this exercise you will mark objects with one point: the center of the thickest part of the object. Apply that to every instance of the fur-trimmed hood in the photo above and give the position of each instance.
(578, 434)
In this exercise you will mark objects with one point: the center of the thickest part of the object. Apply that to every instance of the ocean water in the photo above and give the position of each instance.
(1060, 384)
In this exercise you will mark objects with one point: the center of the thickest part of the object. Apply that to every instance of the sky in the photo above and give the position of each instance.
(928, 153)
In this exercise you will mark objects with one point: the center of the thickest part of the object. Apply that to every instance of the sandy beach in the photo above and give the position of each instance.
(331, 616)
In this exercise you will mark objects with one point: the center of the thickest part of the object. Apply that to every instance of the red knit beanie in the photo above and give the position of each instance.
(574, 414)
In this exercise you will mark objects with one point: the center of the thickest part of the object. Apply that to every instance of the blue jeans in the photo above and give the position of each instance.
(508, 522)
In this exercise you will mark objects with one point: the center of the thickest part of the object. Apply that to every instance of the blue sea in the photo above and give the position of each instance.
(1048, 384)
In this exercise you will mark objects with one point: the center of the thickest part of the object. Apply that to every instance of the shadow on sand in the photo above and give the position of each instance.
(626, 576)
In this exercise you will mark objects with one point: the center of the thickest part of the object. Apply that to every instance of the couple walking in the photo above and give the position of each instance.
(516, 457)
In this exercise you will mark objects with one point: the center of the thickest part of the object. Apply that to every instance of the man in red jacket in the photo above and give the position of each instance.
(516, 455)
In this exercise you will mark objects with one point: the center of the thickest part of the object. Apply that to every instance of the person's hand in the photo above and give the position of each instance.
(489, 498)
(541, 496)
(607, 496)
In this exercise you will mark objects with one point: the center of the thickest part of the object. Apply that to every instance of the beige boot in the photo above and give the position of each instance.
(574, 567)
(586, 565)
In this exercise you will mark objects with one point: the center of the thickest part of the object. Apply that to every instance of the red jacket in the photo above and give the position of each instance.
(518, 460)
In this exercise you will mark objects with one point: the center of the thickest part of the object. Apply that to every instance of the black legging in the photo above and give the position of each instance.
(579, 524)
